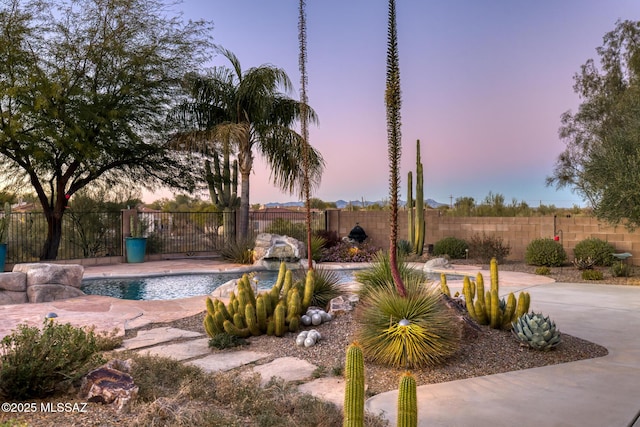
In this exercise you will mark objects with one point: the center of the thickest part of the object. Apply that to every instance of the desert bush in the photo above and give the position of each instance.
(330, 236)
(284, 227)
(620, 269)
(407, 332)
(484, 247)
(348, 252)
(404, 247)
(543, 271)
(240, 251)
(37, 363)
(592, 275)
(224, 340)
(318, 245)
(452, 246)
(596, 249)
(545, 252)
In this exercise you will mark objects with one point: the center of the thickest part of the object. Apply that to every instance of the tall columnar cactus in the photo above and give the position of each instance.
(354, 387)
(407, 401)
(487, 308)
(273, 312)
(416, 219)
(443, 285)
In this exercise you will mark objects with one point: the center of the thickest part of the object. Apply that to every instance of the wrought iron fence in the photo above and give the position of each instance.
(285, 222)
(185, 232)
(100, 234)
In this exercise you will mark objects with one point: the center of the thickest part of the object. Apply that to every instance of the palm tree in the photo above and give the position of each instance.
(261, 119)
(393, 103)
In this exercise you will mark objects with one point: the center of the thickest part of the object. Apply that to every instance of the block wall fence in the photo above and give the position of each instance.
(517, 232)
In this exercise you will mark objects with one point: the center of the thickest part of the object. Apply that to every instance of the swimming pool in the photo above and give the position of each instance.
(176, 286)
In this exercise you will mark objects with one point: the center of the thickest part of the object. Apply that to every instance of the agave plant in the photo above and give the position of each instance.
(536, 331)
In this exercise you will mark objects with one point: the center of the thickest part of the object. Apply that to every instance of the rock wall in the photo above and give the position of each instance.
(35, 282)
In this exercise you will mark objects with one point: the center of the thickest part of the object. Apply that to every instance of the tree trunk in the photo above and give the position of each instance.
(54, 235)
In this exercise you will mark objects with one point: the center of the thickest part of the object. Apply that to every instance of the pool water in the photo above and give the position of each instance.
(180, 285)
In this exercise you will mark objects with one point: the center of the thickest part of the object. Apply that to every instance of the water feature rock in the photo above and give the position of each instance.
(224, 290)
(436, 263)
(58, 274)
(13, 281)
(11, 297)
(52, 292)
(280, 248)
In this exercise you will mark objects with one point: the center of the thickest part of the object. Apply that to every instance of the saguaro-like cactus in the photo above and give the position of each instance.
(354, 387)
(407, 401)
(416, 219)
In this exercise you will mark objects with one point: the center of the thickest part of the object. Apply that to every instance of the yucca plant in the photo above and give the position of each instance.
(318, 244)
(537, 331)
(240, 251)
(326, 287)
(379, 274)
(413, 331)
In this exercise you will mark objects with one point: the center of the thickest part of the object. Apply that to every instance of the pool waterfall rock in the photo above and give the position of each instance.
(40, 282)
(271, 249)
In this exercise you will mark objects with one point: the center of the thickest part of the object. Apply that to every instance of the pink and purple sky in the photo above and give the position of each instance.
(484, 83)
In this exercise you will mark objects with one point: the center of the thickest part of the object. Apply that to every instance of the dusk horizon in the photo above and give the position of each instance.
(484, 85)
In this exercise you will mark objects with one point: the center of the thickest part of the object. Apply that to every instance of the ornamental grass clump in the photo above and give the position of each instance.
(407, 332)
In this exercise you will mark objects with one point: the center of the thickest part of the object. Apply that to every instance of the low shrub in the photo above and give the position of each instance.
(543, 271)
(404, 247)
(620, 269)
(37, 363)
(330, 236)
(348, 252)
(592, 275)
(224, 340)
(483, 247)
(452, 246)
(596, 249)
(318, 245)
(545, 252)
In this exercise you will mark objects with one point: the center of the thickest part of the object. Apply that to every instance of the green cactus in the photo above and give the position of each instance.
(410, 206)
(261, 312)
(279, 320)
(443, 285)
(488, 308)
(354, 387)
(493, 270)
(407, 401)
(219, 319)
(210, 327)
(251, 320)
(210, 306)
(309, 287)
(294, 305)
(294, 324)
(223, 310)
(233, 329)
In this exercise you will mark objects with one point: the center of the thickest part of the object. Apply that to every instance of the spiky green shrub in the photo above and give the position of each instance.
(452, 246)
(224, 340)
(407, 332)
(596, 249)
(404, 247)
(35, 363)
(537, 331)
(592, 275)
(318, 244)
(620, 269)
(240, 251)
(545, 251)
(326, 286)
(379, 274)
(484, 247)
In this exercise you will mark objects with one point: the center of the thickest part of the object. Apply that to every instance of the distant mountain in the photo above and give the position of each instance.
(341, 204)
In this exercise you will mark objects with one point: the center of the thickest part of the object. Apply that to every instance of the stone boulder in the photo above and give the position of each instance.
(342, 304)
(13, 281)
(280, 248)
(110, 384)
(11, 297)
(52, 292)
(224, 290)
(437, 264)
(51, 274)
